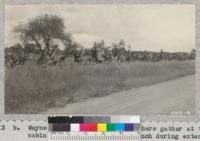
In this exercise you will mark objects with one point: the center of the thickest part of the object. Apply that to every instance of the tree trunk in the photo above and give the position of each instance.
(42, 57)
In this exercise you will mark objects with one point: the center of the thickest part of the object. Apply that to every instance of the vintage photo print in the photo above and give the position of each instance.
(100, 59)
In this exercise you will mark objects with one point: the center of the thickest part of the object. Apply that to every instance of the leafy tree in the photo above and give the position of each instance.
(44, 31)
(98, 49)
(119, 48)
(121, 44)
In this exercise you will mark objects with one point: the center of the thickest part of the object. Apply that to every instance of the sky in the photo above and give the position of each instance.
(144, 27)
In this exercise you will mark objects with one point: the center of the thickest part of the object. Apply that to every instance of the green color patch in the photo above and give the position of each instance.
(110, 127)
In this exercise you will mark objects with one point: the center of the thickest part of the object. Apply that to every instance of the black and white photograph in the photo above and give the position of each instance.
(100, 59)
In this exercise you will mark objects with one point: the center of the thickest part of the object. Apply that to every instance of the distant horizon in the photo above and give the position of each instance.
(144, 27)
(132, 50)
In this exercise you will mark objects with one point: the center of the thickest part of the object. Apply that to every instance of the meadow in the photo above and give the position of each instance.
(31, 89)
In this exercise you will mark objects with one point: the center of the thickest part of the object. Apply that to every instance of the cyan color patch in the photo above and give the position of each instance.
(119, 127)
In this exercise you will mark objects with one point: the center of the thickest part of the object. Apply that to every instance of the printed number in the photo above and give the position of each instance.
(2, 127)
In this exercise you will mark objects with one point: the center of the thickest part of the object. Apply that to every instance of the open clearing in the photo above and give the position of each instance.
(163, 98)
(31, 89)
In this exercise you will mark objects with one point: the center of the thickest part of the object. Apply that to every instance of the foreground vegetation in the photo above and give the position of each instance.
(33, 89)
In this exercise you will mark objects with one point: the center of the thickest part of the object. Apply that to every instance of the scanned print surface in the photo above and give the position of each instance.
(100, 59)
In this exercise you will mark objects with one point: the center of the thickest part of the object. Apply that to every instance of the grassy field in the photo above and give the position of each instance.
(32, 89)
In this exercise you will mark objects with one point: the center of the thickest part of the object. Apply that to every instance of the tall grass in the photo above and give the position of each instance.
(32, 89)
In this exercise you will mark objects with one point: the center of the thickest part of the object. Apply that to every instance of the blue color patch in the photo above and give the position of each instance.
(129, 127)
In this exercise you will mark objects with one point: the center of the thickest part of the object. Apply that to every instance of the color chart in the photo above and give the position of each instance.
(94, 128)
(94, 124)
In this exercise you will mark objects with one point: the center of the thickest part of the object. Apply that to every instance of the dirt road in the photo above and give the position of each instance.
(163, 98)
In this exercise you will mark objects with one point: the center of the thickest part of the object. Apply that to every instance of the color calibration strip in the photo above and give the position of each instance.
(94, 119)
(95, 124)
(92, 127)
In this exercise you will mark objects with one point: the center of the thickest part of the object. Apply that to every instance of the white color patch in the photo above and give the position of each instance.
(74, 127)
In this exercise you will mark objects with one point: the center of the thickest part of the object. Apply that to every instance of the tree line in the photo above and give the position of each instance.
(40, 36)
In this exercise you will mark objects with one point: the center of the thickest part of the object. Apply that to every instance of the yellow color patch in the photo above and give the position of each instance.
(101, 127)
